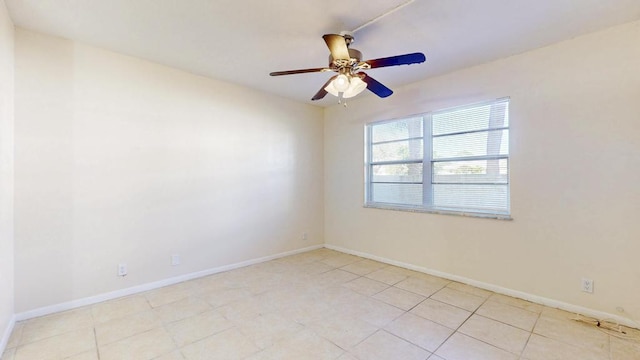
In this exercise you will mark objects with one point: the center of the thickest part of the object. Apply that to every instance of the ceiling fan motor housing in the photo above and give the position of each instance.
(355, 58)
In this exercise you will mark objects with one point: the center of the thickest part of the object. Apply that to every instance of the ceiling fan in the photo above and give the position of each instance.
(347, 62)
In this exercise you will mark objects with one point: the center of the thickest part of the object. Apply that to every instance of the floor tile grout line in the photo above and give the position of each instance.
(459, 326)
(560, 340)
(407, 340)
(610, 348)
(403, 339)
(164, 327)
(368, 296)
(500, 321)
(521, 352)
(95, 339)
(52, 336)
(457, 330)
(530, 334)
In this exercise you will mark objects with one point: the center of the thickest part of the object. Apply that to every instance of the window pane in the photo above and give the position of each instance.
(407, 194)
(397, 151)
(478, 171)
(397, 173)
(474, 118)
(472, 197)
(397, 130)
(466, 151)
(485, 143)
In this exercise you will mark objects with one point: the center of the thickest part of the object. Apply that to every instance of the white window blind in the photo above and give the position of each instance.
(454, 160)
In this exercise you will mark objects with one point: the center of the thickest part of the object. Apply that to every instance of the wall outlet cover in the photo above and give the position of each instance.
(587, 285)
(122, 269)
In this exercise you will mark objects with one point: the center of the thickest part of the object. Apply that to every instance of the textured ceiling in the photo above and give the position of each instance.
(242, 41)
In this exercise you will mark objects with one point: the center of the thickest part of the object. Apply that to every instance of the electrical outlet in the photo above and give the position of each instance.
(305, 236)
(175, 259)
(587, 285)
(122, 269)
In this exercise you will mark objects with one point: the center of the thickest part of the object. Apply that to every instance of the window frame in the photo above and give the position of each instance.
(428, 162)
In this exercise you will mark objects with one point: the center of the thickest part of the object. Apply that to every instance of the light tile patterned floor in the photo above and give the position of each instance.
(317, 305)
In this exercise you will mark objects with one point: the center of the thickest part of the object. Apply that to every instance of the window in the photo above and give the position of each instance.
(450, 161)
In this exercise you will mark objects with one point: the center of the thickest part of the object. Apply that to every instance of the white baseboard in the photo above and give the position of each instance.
(497, 289)
(174, 280)
(7, 334)
(150, 286)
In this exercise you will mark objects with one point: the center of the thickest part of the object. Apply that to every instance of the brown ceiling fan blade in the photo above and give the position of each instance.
(337, 45)
(301, 71)
(375, 86)
(322, 92)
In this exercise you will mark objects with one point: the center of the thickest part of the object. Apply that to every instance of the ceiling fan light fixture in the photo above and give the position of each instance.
(355, 86)
(331, 88)
(341, 83)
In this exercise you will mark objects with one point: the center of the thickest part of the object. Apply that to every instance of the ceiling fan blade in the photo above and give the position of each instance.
(301, 71)
(322, 92)
(337, 45)
(406, 59)
(375, 86)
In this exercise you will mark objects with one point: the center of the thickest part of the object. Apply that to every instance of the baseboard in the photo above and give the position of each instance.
(151, 286)
(497, 289)
(7, 334)
(174, 280)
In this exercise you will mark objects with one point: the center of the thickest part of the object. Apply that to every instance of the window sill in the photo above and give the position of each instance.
(439, 211)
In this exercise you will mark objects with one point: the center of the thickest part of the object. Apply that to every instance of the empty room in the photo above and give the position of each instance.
(348, 180)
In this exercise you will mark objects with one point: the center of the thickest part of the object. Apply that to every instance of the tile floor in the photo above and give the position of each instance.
(317, 305)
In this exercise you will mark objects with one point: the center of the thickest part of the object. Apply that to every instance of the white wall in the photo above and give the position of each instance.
(123, 160)
(575, 172)
(6, 172)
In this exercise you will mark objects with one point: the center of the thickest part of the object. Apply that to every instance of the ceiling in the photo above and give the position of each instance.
(241, 41)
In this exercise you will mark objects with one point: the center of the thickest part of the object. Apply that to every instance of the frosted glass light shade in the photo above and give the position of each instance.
(341, 83)
(356, 86)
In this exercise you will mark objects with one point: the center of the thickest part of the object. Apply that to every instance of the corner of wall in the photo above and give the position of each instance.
(6, 335)
(7, 62)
